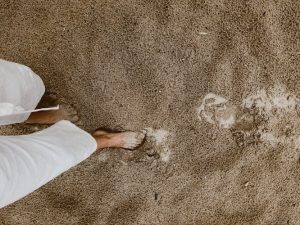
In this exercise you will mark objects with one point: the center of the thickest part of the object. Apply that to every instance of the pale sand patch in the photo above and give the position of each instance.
(276, 98)
(276, 107)
(212, 103)
(160, 137)
(103, 157)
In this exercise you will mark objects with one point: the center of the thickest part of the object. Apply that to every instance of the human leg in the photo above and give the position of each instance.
(65, 112)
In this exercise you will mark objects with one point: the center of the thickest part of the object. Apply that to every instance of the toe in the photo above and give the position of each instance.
(68, 109)
(71, 110)
(74, 118)
(79, 122)
(135, 140)
(141, 136)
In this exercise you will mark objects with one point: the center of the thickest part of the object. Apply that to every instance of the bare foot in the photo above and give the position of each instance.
(128, 140)
(65, 112)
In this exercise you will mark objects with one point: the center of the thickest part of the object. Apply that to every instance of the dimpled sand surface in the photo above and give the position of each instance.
(148, 65)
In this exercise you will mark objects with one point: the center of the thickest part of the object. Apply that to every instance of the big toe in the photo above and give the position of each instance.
(133, 140)
(68, 112)
(74, 118)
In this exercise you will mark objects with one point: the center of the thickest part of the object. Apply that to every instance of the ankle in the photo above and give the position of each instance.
(103, 140)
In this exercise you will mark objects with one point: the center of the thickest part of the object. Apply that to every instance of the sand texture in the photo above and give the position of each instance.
(215, 84)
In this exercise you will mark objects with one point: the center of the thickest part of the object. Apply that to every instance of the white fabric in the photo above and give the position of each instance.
(20, 87)
(29, 161)
(7, 108)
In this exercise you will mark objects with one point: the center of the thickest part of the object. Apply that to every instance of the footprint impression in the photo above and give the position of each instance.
(267, 116)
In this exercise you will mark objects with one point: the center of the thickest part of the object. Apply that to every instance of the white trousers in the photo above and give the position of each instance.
(28, 162)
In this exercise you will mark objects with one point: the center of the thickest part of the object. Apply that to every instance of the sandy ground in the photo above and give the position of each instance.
(148, 64)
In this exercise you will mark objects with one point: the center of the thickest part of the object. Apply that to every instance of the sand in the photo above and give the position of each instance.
(149, 64)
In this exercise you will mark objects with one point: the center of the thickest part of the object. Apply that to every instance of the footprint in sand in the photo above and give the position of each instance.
(270, 117)
(160, 137)
(220, 111)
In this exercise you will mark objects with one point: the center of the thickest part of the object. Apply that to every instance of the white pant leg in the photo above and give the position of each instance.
(20, 86)
(30, 161)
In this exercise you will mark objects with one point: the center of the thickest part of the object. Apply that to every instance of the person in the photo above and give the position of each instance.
(30, 161)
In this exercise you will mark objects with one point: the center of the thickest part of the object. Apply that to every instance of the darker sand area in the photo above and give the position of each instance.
(148, 64)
